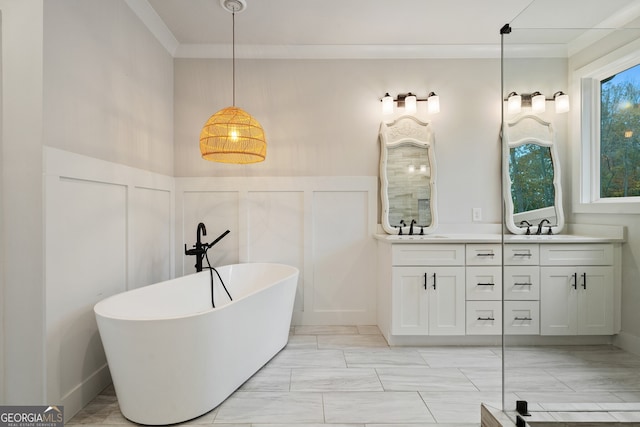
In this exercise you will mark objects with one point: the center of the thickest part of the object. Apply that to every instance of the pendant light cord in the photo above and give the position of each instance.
(233, 58)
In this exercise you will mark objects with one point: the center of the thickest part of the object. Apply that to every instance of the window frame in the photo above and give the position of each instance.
(585, 128)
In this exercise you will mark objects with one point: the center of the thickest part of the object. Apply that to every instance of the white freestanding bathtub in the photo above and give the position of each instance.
(173, 357)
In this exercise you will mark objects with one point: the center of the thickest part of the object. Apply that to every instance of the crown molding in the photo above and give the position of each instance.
(155, 24)
(223, 51)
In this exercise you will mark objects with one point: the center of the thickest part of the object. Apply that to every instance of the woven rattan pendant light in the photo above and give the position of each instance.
(231, 135)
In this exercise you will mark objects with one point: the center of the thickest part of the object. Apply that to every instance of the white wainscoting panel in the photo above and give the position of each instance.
(108, 228)
(152, 221)
(322, 225)
(342, 255)
(277, 221)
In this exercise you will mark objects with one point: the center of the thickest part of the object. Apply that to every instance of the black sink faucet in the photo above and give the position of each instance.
(413, 221)
(402, 224)
(541, 224)
(528, 224)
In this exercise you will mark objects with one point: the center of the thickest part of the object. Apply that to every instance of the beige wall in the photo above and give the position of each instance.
(108, 85)
(321, 118)
(23, 296)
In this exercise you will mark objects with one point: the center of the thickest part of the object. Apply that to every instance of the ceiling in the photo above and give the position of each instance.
(370, 28)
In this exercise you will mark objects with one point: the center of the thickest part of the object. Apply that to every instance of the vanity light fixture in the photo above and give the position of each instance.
(409, 101)
(536, 101)
(231, 135)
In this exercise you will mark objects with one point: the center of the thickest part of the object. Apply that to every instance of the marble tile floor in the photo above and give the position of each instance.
(347, 376)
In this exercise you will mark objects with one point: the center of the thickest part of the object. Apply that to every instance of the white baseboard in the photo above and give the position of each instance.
(627, 342)
(85, 392)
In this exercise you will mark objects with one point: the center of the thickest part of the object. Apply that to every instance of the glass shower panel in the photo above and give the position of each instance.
(573, 370)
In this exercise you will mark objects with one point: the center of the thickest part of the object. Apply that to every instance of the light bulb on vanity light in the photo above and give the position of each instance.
(387, 104)
(538, 102)
(433, 103)
(561, 101)
(514, 103)
(410, 103)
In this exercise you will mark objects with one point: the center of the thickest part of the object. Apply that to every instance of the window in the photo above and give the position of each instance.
(606, 133)
(620, 134)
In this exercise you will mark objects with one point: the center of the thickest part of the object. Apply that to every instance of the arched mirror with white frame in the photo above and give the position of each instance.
(533, 195)
(408, 176)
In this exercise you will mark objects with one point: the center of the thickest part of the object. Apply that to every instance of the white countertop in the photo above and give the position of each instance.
(493, 238)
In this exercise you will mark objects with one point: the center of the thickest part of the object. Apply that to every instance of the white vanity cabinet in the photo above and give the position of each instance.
(427, 289)
(577, 289)
(571, 286)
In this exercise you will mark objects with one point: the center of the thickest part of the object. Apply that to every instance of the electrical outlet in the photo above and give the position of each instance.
(476, 214)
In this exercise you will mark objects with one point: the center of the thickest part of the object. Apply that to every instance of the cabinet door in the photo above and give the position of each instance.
(558, 301)
(595, 301)
(446, 300)
(409, 305)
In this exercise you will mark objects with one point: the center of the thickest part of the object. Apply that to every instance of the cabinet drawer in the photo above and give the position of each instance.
(522, 282)
(484, 283)
(521, 254)
(484, 254)
(484, 318)
(425, 254)
(576, 254)
(521, 318)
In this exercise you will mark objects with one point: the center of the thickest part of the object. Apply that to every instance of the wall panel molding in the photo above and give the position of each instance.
(293, 220)
(108, 228)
